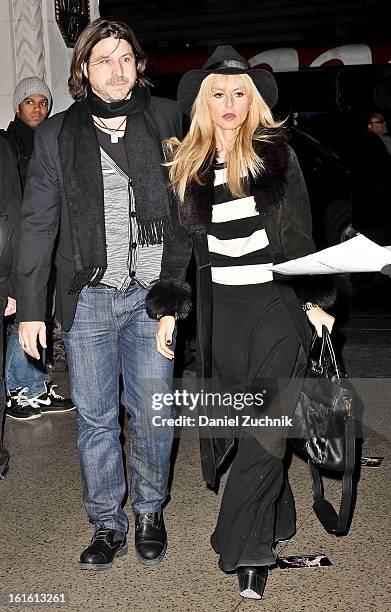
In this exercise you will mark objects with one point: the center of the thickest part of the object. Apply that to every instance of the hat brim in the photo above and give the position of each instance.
(190, 84)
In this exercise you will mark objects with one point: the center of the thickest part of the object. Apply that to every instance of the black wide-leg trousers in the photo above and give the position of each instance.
(254, 343)
(257, 509)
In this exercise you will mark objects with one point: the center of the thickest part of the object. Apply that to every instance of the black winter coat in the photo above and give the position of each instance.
(45, 214)
(10, 203)
(282, 201)
(21, 138)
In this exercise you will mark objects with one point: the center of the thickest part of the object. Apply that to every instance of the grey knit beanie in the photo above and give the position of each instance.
(28, 87)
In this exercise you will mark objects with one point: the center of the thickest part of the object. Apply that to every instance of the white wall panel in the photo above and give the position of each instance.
(5, 13)
(7, 73)
(31, 43)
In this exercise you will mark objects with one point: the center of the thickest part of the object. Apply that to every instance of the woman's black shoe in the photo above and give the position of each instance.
(252, 581)
(106, 544)
(150, 538)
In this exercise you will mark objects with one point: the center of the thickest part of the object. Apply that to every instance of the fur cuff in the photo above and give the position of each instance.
(168, 297)
(319, 289)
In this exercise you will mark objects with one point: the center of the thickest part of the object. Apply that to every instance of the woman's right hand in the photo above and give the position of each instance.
(165, 330)
(318, 317)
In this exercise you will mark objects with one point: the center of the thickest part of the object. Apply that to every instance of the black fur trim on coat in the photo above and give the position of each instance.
(168, 296)
(268, 188)
(195, 214)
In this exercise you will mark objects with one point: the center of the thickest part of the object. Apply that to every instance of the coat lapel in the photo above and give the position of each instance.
(268, 188)
(195, 213)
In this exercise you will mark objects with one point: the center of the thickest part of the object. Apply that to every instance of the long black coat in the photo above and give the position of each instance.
(10, 202)
(282, 201)
(45, 214)
(21, 138)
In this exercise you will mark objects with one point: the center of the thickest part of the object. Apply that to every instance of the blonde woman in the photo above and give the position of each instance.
(241, 194)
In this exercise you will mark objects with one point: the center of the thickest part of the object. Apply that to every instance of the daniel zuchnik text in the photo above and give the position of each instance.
(190, 401)
(243, 420)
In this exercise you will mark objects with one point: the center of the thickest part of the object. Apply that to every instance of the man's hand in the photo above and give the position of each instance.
(10, 309)
(29, 331)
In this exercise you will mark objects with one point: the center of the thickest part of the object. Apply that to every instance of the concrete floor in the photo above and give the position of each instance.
(44, 529)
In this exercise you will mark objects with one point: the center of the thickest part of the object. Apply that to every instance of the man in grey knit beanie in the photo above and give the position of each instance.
(32, 100)
(29, 386)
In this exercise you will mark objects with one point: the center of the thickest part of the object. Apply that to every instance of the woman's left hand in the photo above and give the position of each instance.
(318, 318)
(165, 330)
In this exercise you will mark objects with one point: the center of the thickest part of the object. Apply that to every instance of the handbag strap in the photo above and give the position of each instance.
(329, 344)
(331, 521)
(326, 344)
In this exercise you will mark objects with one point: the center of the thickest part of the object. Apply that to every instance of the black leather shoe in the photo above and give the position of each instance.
(252, 581)
(106, 544)
(150, 538)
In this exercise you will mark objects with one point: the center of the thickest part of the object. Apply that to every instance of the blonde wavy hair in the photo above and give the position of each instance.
(192, 157)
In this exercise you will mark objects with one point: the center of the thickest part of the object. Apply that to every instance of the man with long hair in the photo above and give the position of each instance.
(97, 177)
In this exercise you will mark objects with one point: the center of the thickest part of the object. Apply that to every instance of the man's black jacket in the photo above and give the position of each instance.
(44, 214)
(10, 202)
(21, 138)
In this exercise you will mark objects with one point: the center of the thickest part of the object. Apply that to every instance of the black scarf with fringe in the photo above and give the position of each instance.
(83, 182)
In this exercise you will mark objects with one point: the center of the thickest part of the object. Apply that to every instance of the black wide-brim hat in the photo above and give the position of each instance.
(225, 60)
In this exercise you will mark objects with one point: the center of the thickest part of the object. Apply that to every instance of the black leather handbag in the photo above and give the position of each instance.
(325, 430)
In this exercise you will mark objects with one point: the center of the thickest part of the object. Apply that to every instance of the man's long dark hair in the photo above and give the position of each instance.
(94, 32)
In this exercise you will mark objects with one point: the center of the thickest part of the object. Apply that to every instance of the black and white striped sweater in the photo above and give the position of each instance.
(237, 240)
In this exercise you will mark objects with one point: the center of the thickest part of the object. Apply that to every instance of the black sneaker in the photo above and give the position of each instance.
(12, 395)
(51, 402)
(106, 545)
(20, 407)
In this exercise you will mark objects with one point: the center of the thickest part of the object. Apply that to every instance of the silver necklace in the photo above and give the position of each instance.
(113, 132)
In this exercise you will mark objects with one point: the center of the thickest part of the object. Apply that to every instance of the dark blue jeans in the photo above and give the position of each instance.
(112, 334)
(22, 370)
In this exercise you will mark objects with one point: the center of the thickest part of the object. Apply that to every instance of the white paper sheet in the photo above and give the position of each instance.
(359, 254)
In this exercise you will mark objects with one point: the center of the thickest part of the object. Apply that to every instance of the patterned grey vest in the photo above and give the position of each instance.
(126, 259)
